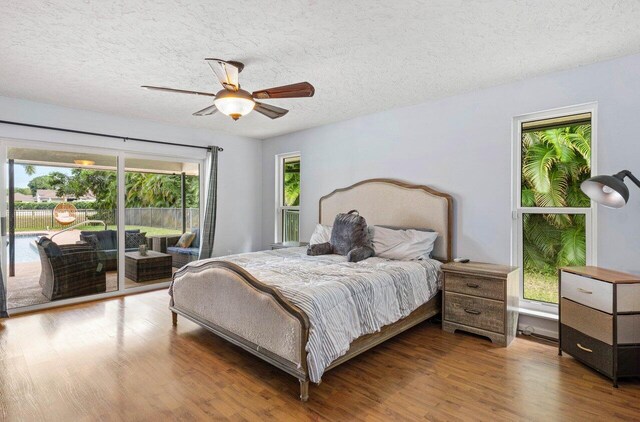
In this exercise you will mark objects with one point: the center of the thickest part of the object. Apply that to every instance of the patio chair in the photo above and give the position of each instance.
(69, 270)
(179, 256)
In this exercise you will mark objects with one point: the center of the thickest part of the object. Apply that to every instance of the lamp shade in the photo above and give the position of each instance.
(234, 103)
(609, 191)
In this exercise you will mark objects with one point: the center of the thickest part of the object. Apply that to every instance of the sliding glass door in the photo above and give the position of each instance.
(61, 225)
(162, 203)
(84, 223)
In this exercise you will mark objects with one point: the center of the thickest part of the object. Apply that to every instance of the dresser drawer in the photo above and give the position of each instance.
(596, 324)
(473, 311)
(629, 297)
(629, 361)
(491, 288)
(587, 291)
(629, 329)
(594, 353)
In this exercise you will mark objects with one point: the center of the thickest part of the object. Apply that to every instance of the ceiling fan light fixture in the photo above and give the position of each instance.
(234, 104)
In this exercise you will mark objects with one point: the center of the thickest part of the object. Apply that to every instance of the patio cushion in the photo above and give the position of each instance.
(104, 239)
(50, 247)
(134, 239)
(182, 251)
(91, 240)
(185, 240)
(196, 240)
(107, 239)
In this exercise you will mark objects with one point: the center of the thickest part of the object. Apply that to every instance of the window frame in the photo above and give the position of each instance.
(279, 194)
(517, 210)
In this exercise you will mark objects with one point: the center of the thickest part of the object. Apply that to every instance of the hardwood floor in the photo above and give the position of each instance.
(121, 359)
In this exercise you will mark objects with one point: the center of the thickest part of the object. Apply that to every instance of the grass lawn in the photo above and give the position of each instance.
(540, 287)
(151, 231)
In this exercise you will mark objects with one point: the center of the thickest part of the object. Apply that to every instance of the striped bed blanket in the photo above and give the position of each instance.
(343, 300)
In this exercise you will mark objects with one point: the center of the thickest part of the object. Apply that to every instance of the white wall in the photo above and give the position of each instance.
(239, 187)
(462, 145)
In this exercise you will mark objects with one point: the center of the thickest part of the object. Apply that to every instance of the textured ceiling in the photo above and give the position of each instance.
(362, 56)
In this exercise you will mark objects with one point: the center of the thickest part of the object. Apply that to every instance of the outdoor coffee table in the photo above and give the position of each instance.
(153, 266)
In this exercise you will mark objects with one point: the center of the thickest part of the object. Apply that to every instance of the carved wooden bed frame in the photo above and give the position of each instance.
(392, 210)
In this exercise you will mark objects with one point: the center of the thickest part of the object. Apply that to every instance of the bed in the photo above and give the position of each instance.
(307, 315)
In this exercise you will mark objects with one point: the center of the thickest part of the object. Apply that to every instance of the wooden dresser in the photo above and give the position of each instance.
(481, 299)
(600, 320)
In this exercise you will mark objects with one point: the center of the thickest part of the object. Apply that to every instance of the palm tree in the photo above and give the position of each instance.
(29, 169)
(292, 183)
(554, 163)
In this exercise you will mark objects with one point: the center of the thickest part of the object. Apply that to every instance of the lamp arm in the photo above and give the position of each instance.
(627, 173)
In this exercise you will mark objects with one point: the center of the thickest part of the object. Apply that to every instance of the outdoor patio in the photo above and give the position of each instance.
(24, 289)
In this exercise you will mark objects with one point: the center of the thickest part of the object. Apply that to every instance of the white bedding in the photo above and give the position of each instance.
(343, 300)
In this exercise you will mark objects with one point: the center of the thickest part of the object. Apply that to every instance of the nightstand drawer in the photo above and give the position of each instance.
(587, 291)
(476, 312)
(490, 288)
(594, 353)
(596, 324)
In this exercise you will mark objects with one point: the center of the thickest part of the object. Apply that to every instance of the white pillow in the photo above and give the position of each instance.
(404, 245)
(321, 234)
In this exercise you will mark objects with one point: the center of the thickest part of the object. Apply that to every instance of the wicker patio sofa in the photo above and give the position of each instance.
(105, 242)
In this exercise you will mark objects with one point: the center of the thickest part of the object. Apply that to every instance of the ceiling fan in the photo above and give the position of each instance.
(236, 102)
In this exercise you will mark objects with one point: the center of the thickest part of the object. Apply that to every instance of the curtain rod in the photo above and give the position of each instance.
(124, 138)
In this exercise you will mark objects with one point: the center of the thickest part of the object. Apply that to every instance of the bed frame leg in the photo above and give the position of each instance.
(304, 390)
(174, 318)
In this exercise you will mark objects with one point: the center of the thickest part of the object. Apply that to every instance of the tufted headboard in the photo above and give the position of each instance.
(394, 203)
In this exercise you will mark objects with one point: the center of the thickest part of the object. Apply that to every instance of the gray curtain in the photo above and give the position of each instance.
(3, 298)
(208, 226)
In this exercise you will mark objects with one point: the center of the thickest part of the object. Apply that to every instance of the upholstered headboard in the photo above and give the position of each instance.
(395, 203)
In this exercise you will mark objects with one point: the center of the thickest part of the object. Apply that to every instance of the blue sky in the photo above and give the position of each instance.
(21, 178)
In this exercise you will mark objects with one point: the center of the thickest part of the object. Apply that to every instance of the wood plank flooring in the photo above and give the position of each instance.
(121, 359)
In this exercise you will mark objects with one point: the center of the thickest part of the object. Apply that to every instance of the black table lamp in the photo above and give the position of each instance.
(609, 191)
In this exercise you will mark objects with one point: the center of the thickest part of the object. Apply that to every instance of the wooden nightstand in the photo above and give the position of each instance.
(284, 245)
(481, 299)
(600, 320)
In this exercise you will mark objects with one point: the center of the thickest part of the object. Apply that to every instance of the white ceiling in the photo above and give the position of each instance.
(362, 56)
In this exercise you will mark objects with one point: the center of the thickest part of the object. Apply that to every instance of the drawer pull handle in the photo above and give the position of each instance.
(472, 311)
(473, 285)
(587, 292)
(581, 347)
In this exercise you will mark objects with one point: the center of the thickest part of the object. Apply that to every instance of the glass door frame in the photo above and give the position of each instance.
(121, 156)
(518, 210)
(121, 209)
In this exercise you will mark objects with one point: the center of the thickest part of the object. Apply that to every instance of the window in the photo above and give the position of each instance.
(553, 225)
(288, 198)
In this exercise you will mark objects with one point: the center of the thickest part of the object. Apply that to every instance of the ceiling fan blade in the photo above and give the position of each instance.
(179, 91)
(206, 111)
(270, 111)
(301, 89)
(226, 72)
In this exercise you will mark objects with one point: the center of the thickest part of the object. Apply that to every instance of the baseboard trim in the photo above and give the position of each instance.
(541, 326)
